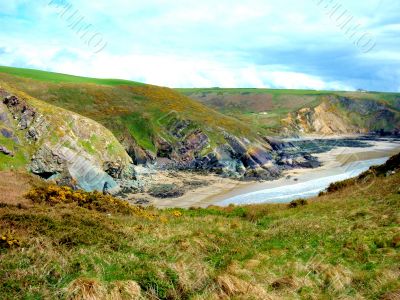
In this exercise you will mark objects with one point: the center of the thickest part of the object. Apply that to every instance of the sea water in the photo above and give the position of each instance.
(305, 189)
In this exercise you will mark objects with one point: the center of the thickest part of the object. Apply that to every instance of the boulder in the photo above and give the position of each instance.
(277, 144)
(164, 149)
(47, 164)
(5, 151)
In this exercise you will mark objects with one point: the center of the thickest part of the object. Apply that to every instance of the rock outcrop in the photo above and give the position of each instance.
(65, 146)
(5, 151)
(237, 157)
(342, 115)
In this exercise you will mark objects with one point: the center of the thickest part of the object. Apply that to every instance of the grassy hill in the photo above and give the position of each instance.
(126, 108)
(63, 78)
(72, 245)
(265, 109)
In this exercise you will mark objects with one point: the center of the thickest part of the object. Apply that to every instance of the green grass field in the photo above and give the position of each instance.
(63, 78)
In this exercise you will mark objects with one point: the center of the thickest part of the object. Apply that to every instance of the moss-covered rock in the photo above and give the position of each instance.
(60, 144)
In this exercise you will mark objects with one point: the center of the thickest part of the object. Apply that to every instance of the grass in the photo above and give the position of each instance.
(63, 78)
(124, 107)
(344, 244)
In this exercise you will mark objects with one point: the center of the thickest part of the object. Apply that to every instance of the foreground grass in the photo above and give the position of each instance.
(342, 245)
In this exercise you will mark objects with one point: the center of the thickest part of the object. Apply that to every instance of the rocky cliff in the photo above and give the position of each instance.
(61, 145)
(343, 115)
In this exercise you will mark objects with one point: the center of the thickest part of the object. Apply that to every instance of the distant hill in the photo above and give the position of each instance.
(272, 111)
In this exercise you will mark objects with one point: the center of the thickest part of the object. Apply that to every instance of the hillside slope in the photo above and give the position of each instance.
(58, 144)
(342, 245)
(156, 124)
(292, 112)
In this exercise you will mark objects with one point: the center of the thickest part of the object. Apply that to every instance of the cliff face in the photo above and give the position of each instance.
(57, 144)
(323, 119)
(342, 115)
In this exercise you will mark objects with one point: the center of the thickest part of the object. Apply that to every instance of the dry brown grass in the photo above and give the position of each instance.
(91, 289)
(86, 289)
(125, 290)
(13, 187)
(233, 286)
(392, 296)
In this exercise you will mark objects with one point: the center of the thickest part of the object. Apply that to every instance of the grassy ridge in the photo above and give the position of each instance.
(124, 107)
(345, 244)
(63, 78)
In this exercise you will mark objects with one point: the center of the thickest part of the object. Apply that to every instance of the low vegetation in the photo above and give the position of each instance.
(128, 109)
(73, 245)
(53, 195)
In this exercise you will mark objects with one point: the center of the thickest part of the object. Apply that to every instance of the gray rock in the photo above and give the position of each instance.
(6, 133)
(5, 151)
(46, 164)
(138, 155)
(166, 191)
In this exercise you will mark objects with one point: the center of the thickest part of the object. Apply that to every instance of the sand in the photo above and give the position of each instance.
(219, 189)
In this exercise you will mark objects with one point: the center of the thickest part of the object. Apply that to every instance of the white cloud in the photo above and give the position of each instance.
(229, 43)
(169, 70)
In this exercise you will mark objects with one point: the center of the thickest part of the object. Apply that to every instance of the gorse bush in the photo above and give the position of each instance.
(8, 241)
(53, 195)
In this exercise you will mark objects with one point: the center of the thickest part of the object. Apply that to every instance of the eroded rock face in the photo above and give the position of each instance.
(20, 110)
(46, 163)
(237, 158)
(138, 155)
(164, 148)
(188, 150)
(68, 148)
(342, 115)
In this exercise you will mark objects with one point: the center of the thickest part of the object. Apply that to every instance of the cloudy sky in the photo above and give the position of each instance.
(317, 44)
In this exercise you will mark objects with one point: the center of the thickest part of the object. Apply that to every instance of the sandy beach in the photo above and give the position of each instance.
(217, 190)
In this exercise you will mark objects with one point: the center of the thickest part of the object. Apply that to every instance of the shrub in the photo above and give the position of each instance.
(8, 241)
(53, 195)
(299, 202)
(177, 213)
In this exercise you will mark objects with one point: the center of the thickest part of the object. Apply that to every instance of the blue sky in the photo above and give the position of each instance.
(317, 44)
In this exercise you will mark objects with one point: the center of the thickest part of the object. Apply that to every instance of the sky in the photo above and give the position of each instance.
(310, 44)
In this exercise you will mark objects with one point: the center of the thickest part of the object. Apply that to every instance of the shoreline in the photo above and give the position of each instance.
(220, 189)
